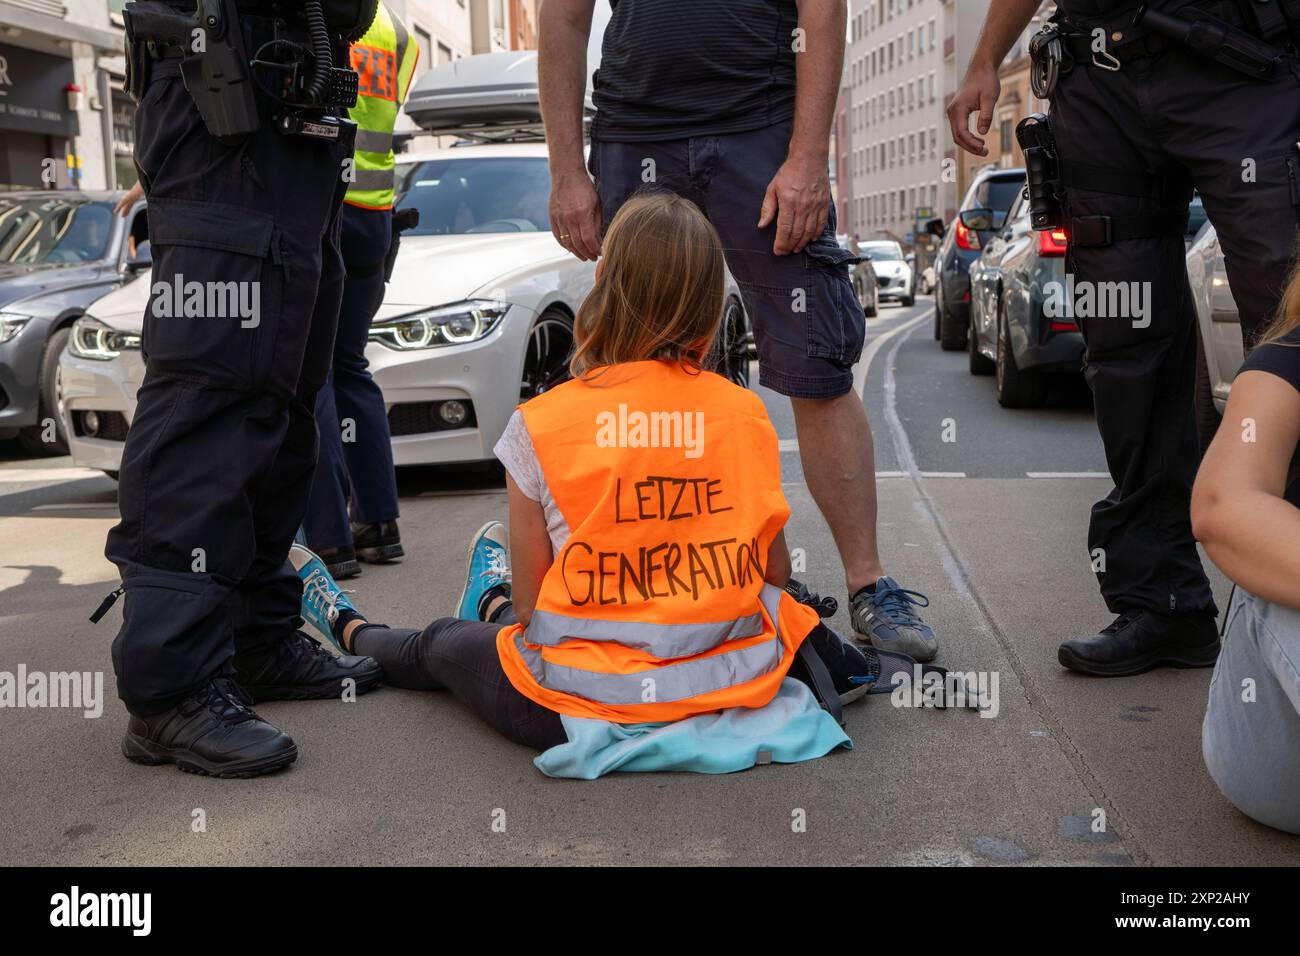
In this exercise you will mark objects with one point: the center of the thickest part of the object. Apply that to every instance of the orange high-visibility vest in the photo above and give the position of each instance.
(656, 608)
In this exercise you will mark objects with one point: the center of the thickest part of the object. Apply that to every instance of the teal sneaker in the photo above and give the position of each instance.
(489, 567)
(886, 618)
(322, 598)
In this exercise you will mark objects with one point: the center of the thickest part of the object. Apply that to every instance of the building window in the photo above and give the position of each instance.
(425, 42)
(1006, 135)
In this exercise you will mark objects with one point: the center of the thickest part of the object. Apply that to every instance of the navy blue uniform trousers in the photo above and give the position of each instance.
(238, 336)
(356, 452)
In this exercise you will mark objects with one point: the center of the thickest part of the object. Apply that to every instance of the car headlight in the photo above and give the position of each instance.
(93, 339)
(453, 324)
(11, 323)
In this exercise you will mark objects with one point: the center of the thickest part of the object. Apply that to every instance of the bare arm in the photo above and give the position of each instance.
(979, 92)
(1249, 530)
(799, 195)
(564, 26)
(778, 568)
(530, 551)
(129, 199)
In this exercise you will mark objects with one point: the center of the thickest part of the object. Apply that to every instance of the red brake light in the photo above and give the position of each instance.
(1052, 242)
(967, 238)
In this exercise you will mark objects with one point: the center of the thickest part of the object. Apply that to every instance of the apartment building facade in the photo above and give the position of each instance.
(903, 62)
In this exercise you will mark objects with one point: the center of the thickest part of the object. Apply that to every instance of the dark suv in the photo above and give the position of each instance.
(993, 189)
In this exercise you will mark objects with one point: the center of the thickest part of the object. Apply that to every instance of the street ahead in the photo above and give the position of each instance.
(981, 508)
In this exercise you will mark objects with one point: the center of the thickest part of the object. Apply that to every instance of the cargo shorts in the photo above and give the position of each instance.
(807, 322)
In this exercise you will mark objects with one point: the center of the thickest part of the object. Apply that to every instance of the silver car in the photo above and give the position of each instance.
(1219, 349)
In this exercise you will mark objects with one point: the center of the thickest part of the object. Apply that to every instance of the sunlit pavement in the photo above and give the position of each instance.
(981, 508)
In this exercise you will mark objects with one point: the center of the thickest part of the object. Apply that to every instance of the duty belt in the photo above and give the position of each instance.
(1253, 37)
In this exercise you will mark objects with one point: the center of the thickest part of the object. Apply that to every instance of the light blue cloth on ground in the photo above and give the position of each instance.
(793, 727)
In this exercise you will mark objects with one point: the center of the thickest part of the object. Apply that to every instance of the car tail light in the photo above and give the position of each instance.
(967, 238)
(1052, 242)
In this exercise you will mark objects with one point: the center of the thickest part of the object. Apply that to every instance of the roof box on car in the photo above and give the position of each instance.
(490, 96)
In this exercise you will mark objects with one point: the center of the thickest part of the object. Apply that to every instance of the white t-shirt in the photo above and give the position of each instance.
(515, 450)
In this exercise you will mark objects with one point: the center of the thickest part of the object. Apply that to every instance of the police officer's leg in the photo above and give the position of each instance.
(326, 524)
(366, 236)
(273, 658)
(204, 435)
(1248, 172)
(1125, 227)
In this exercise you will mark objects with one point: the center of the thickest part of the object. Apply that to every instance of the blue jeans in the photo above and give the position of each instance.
(362, 467)
(1251, 733)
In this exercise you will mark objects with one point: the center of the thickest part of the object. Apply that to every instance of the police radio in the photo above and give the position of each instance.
(304, 82)
(299, 78)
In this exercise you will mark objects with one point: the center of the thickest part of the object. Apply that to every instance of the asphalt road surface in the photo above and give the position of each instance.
(981, 508)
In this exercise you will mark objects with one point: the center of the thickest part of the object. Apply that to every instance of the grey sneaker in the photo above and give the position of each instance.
(886, 618)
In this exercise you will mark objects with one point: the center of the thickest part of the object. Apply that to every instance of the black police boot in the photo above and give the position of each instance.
(299, 668)
(377, 543)
(341, 562)
(212, 732)
(1137, 641)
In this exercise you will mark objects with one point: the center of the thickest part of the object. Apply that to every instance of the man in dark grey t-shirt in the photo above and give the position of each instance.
(729, 103)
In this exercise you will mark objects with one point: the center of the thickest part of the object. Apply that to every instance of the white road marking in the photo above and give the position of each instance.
(902, 446)
(864, 363)
(1066, 474)
(942, 474)
(16, 476)
(860, 381)
(78, 506)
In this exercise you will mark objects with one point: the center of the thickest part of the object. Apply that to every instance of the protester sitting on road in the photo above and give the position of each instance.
(1246, 511)
(640, 621)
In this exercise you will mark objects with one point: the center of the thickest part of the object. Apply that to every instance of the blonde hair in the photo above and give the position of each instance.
(1288, 313)
(660, 288)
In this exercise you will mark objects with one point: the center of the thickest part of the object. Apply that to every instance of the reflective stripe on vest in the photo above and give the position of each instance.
(662, 640)
(656, 608)
(673, 682)
(385, 62)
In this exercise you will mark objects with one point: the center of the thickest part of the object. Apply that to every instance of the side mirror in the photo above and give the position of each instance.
(143, 258)
(981, 220)
(935, 227)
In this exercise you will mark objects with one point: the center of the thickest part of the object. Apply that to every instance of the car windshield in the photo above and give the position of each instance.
(882, 251)
(54, 231)
(477, 194)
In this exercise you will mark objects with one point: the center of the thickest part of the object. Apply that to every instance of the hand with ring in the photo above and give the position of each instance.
(575, 214)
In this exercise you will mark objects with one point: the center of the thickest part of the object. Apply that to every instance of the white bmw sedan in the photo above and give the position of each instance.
(478, 316)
